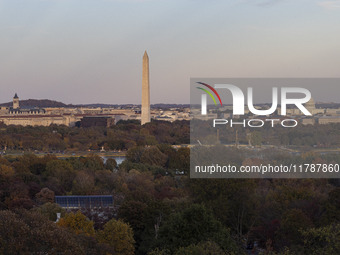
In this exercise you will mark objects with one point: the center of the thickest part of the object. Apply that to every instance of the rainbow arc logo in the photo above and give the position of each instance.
(204, 97)
(209, 93)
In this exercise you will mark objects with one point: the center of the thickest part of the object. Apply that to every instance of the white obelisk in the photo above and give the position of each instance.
(145, 115)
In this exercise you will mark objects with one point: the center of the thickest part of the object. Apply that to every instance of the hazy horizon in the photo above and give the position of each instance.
(86, 52)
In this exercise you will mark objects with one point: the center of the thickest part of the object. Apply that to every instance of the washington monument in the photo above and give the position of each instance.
(145, 118)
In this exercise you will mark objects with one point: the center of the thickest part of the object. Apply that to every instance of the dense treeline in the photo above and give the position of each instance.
(124, 135)
(320, 136)
(160, 212)
(158, 209)
(128, 134)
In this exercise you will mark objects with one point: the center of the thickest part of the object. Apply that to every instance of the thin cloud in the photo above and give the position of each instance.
(263, 3)
(131, 1)
(335, 4)
(269, 2)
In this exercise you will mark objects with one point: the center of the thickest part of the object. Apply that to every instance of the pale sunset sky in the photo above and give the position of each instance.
(90, 51)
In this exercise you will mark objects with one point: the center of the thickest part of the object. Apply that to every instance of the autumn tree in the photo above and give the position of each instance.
(332, 206)
(60, 175)
(181, 160)
(6, 171)
(323, 240)
(233, 201)
(93, 162)
(203, 248)
(135, 154)
(45, 196)
(153, 156)
(191, 226)
(292, 223)
(158, 251)
(107, 181)
(27, 232)
(119, 235)
(83, 183)
(111, 164)
(50, 210)
(77, 223)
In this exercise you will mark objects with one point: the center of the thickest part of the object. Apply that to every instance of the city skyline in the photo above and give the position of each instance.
(66, 50)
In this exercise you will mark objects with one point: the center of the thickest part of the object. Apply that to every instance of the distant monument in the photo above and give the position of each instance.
(15, 101)
(145, 116)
